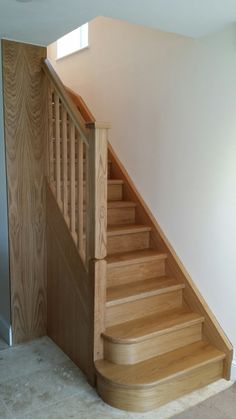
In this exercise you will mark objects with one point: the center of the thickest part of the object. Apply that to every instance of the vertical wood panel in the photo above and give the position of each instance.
(100, 283)
(25, 99)
(70, 293)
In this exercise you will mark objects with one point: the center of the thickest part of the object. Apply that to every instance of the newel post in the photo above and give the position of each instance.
(97, 227)
(97, 190)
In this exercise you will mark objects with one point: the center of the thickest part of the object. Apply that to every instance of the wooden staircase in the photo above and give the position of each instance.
(154, 347)
(158, 339)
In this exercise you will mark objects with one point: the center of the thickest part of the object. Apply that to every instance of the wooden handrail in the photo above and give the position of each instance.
(66, 99)
(81, 106)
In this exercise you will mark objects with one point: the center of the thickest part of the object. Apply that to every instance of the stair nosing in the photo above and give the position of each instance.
(142, 295)
(148, 336)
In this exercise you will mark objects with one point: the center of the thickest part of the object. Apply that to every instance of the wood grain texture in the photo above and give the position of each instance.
(97, 191)
(70, 293)
(174, 267)
(126, 240)
(120, 313)
(26, 117)
(99, 275)
(128, 267)
(120, 212)
(115, 190)
(155, 325)
(146, 288)
(146, 337)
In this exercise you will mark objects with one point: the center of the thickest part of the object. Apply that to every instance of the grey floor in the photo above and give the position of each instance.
(38, 381)
(3, 345)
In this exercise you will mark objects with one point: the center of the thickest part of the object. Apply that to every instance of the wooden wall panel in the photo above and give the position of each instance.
(25, 113)
(70, 292)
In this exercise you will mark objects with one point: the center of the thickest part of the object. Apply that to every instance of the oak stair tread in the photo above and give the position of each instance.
(161, 368)
(154, 325)
(138, 256)
(140, 289)
(116, 230)
(121, 204)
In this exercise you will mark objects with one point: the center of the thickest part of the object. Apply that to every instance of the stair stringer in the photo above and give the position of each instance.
(212, 331)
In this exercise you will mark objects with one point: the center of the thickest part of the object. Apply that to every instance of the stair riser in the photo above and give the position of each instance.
(120, 216)
(128, 242)
(120, 313)
(147, 398)
(135, 272)
(115, 192)
(131, 353)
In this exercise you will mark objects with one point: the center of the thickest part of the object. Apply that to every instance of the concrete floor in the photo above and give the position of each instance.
(3, 344)
(38, 381)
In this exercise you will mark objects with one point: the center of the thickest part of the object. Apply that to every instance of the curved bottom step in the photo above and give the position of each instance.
(150, 384)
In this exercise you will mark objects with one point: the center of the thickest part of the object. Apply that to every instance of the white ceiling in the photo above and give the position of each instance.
(44, 21)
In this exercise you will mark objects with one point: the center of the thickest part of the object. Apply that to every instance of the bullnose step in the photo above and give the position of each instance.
(153, 382)
(160, 368)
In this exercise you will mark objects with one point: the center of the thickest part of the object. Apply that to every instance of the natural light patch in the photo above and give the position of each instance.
(73, 41)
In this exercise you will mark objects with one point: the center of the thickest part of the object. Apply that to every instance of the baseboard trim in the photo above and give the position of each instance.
(233, 370)
(5, 331)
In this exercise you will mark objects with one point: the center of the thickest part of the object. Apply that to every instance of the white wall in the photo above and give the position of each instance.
(172, 104)
(5, 312)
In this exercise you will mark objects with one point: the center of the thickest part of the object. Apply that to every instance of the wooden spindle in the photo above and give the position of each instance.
(65, 163)
(50, 135)
(80, 194)
(72, 180)
(58, 147)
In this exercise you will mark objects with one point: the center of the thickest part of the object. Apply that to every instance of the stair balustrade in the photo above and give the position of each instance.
(77, 169)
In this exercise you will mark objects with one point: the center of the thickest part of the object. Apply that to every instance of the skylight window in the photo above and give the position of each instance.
(73, 41)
